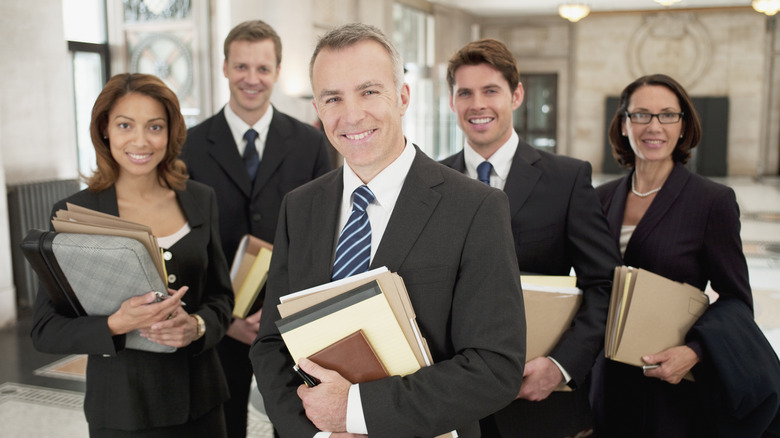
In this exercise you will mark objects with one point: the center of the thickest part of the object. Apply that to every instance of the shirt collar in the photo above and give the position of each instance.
(501, 159)
(239, 127)
(386, 185)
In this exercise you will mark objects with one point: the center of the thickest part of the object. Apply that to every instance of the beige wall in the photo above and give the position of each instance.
(718, 53)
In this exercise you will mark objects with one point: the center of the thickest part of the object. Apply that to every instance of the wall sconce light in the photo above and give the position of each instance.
(667, 2)
(574, 12)
(768, 7)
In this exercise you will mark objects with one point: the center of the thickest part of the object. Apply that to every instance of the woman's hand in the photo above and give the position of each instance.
(178, 329)
(674, 364)
(142, 311)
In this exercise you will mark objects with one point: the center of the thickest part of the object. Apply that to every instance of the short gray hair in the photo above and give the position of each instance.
(351, 34)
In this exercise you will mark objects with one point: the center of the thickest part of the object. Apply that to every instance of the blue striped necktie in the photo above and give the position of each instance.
(353, 251)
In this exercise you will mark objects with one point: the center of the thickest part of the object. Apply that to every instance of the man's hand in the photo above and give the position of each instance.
(540, 377)
(674, 364)
(326, 403)
(245, 330)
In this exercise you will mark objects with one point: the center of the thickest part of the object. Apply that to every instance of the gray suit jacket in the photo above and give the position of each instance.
(557, 224)
(448, 238)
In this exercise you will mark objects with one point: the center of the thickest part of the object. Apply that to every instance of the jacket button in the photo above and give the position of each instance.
(171, 278)
(256, 217)
(167, 255)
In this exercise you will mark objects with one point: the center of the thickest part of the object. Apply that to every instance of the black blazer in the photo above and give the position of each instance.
(294, 154)
(557, 224)
(448, 238)
(132, 389)
(690, 233)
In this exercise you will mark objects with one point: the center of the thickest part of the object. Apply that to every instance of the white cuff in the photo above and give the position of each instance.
(356, 421)
(566, 376)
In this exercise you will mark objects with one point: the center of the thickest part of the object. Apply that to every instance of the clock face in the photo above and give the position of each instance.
(166, 57)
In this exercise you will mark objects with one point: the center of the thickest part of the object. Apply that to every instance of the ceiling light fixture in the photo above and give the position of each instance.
(574, 12)
(768, 7)
(667, 2)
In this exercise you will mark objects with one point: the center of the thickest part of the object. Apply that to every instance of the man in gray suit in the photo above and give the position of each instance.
(251, 154)
(557, 225)
(446, 235)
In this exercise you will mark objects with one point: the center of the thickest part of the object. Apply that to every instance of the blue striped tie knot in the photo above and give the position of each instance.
(353, 251)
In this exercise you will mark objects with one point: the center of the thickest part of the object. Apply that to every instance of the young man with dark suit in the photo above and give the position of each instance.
(446, 235)
(252, 155)
(557, 225)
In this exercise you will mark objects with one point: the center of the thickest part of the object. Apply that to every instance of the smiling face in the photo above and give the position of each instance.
(137, 133)
(360, 108)
(653, 142)
(251, 71)
(483, 104)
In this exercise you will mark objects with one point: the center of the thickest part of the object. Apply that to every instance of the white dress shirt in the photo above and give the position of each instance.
(501, 160)
(386, 187)
(239, 127)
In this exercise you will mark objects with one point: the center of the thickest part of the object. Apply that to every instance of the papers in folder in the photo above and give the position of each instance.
(375, 302)
(81, 220)
(249, 273)
(550, 305)
(649, 314)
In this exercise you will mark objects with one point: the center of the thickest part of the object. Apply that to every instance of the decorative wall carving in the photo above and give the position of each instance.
(674, 44)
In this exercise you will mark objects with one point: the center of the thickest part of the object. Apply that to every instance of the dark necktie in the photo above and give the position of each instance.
(483, 172)
(353, 251)
(251, 157)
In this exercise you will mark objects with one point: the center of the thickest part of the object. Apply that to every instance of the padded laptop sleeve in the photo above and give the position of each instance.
(87, 274)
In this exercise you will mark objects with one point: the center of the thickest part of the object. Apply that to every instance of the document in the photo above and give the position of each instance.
(249, 273)
(550, 305)
(648, 314)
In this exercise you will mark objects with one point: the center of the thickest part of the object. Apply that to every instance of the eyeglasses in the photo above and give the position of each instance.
(645, 118)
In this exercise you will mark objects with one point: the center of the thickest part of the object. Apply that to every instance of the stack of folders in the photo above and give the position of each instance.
(363, 326)
(81, 220)
(550, 305)
(93, 262)
(249, 273)
(649, 314)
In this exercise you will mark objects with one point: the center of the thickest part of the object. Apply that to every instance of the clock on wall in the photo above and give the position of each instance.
(167, 57)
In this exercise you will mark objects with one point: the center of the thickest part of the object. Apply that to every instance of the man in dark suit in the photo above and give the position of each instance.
(447, 236)
(252, 155)
(557, 225)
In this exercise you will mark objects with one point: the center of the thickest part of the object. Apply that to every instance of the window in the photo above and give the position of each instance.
(535, 120)
(85, 31)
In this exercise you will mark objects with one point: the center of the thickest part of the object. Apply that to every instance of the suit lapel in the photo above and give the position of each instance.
(225, 152)
(522, 177)
(276, 148)
(659, 207)
(416, 203)
(325, 209)
(616, 208)
(192, 210)
(107, 202)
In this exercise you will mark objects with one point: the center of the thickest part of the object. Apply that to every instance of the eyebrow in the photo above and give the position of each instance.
(361, 87)
(132, 119)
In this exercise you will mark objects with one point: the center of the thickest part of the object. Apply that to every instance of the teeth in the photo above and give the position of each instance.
(360, 136)
(138, 156)
(252, 91)
(480, 121)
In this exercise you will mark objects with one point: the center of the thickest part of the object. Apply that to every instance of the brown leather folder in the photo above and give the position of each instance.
(353, 357)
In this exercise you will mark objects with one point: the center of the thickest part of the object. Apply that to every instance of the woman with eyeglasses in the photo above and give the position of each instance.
(682, 226)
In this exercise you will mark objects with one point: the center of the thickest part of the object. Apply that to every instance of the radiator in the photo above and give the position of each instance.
(29, 206)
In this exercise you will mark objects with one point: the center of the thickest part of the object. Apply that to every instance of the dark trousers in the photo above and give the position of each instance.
(211, 424)
(234, 356)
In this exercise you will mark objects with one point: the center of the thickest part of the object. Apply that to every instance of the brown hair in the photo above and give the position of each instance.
(485, 51)
(171, 170)
(691, 135)
(351, 34)
(253, 31)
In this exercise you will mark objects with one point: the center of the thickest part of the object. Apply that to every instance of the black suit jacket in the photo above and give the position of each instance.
(295, 153)
(690, 233)
(557, 224)
(448, 238)
(133, 389)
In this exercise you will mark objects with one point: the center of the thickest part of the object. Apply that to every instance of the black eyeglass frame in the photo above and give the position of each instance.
(657, 116)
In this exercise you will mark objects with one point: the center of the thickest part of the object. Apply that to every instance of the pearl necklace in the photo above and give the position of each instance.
(642, 195)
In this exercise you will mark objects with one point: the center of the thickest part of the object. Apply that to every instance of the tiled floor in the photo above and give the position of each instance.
(39, 405)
